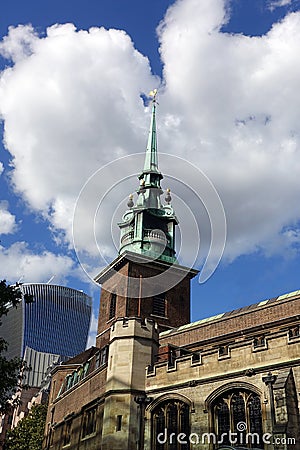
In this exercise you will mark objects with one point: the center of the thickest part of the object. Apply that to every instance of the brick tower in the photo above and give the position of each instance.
(145, 280)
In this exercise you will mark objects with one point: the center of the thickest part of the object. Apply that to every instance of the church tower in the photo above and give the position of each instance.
(145, 280)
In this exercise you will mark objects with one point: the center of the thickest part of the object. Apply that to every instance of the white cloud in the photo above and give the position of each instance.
(7, 220)
(278, 4)
(236, 100)
(18, 261)
(70, 105)
(18, 44)
(230, 104)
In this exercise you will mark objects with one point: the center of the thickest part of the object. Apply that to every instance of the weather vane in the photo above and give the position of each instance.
(153, 95)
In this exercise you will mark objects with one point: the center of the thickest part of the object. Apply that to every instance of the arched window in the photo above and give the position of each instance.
(237, 419)
(169, 419)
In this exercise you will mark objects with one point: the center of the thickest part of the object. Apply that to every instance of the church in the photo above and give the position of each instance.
(156, 381)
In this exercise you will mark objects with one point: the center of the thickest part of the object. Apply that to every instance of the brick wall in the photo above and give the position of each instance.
(130, 303)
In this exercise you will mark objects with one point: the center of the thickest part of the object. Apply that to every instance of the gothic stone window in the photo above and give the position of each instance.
(238, 411)
(89, 422)
(112, 306)
(169, 419)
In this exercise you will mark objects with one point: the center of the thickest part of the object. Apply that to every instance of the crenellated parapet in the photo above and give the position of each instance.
(244, 356)
(134, 327)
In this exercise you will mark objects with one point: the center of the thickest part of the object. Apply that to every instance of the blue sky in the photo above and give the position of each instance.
(227, 74)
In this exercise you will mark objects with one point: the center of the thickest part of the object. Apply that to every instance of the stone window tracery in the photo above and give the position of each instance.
(169, 419)
(238, 412)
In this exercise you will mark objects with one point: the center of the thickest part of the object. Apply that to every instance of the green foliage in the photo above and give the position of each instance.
(8, 295)
(11, 370)
(29, 433)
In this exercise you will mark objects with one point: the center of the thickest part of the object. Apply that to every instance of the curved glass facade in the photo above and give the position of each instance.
(56, 322)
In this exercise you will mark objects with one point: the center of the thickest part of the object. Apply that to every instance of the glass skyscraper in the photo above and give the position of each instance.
(53, 327)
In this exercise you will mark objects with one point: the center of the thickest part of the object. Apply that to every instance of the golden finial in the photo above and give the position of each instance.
(153, 95)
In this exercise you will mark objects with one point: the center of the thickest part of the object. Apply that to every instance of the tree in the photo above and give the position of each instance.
(29, 433)
(11, 370)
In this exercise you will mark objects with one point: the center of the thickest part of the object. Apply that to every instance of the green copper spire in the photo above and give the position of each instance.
(148, 227)
(150, 177)
(151, 153)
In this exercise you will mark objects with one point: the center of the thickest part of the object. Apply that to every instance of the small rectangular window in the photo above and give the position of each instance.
(119, 423)
(294, 332)
(259, 341)
(112, 306)
(223, 351)
(159, 305)
(104, 356)
(97, 361)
